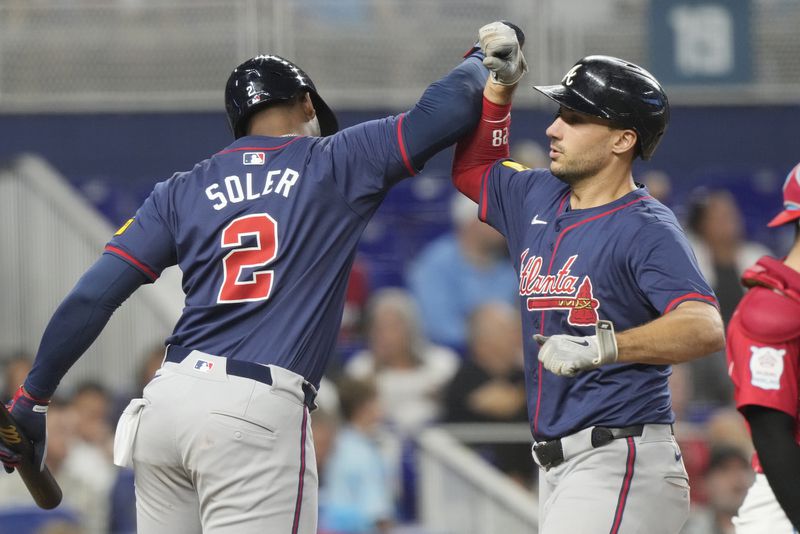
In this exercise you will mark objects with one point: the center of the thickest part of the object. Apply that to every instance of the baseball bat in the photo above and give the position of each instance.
(42, 486)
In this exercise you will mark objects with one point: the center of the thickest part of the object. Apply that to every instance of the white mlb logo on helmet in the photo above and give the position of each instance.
(766, 367)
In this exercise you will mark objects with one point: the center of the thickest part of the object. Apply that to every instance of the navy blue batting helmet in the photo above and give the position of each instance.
(265, 80)
(619, 91)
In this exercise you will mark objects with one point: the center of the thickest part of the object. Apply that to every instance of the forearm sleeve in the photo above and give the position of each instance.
(79, 319)
(447, 110)
(779, 454)
(477, 152)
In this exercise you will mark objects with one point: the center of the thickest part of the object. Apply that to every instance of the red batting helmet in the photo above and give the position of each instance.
(791, 199)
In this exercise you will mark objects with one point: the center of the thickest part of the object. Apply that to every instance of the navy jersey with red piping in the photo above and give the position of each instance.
(265, 233)
(628, 262)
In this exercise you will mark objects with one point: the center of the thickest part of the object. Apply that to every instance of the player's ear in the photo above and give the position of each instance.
(308, 107)
(623, 141)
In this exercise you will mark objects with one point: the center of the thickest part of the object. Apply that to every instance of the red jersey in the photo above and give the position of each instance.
(764, 341)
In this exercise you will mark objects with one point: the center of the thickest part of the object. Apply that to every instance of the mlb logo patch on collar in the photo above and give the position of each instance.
(254, 158)
(203, 366)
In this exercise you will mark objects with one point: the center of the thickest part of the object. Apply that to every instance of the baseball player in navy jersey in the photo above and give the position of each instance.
(764, 364)
(265, 233)
(610, 295)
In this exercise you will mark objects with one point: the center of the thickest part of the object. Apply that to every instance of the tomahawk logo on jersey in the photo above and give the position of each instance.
(234, 221)
(599, 263)
(558, 291)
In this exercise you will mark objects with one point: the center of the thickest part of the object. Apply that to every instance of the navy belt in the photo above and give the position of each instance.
(551, 453)
(244, 369)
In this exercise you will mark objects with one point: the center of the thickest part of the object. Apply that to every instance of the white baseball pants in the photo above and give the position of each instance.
(220, 454)
(634, 485)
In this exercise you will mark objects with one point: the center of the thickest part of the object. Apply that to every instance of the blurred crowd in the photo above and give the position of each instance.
(98, 497)
(446, 348)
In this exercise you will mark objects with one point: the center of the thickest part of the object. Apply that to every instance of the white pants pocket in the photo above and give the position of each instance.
(125, 435)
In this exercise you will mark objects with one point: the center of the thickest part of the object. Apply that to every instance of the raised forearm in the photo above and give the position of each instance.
(498, 94)
(690, 331)
(448, 110)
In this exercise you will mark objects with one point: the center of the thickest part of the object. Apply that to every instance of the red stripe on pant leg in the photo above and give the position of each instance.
(298, 505)
(626, 486)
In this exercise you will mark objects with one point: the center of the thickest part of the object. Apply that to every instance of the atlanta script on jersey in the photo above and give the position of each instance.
(628, 262)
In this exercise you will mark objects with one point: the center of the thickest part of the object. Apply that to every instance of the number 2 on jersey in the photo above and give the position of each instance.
(259, 285)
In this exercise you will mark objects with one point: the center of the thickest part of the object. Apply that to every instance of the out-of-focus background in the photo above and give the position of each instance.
(101, 99)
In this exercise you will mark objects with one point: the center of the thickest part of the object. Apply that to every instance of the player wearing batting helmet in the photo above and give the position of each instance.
(764, 364)
(610, 293)
(265, 232)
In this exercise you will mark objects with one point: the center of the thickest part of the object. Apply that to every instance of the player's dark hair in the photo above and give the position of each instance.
(698, 206)
(355, 394)
(721, 456)
(90, 386)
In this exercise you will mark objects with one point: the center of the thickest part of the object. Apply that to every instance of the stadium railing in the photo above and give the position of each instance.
(50, 234)
(460, 493)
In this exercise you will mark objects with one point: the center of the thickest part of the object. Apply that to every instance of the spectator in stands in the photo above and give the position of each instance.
(148, 368)
(357, 496)
(659, 185)
(727, 427)
(61, 527)
(689, 433)
(699, 431)
(151, 362)
(325, 427)
(355, 301)
(90, 454)
(122, 504)
(89, 500)
(122, 498)
(716, 233)
(410, 372)
(490, 385)
(15, 368)
(459, 271)
(727, 478)
(92, 401)
(83, 505)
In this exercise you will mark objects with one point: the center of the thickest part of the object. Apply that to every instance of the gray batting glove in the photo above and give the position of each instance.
(503, 53)
(569, 355)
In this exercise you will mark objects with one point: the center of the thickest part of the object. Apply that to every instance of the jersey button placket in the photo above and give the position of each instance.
(556, 228)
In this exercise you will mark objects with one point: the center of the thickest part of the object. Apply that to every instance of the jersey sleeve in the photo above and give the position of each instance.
(147, 240)
(763, 373)
(366, 160)
(503, 188)
(665, 267)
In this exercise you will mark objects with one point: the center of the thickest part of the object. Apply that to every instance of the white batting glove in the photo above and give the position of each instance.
(569, 355)
(503, 53)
